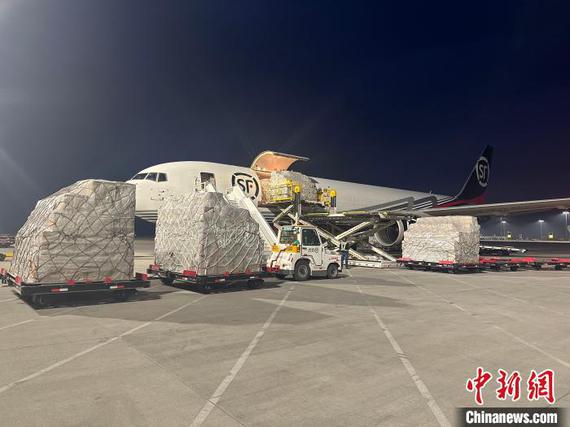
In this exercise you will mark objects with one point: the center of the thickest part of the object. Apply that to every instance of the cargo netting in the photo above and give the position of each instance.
(445, 238)
(202, 232)
(82, 232)
(279, 188)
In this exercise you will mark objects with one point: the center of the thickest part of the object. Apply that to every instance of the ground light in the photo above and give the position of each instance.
(503, 227)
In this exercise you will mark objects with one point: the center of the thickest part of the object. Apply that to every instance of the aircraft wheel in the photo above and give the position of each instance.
(332, 271)
(302, 271)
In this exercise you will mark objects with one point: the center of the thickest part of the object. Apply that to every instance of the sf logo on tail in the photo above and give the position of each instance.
(482, 170)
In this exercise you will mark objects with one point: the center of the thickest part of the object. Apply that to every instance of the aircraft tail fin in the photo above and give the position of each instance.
(473, 191)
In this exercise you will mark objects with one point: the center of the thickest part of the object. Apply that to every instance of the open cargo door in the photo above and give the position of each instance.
(269, 161)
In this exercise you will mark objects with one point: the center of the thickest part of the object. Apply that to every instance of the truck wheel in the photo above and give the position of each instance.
(332, 271)
(302, 271)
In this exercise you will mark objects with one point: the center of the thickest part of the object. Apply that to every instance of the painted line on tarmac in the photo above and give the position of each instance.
(486, 322)
(9, 299)
(420, 385)
(531, 345)
(513, 275)
(93, 348)
(17, 324)
(474, 287)
(454, 304)
(220, 390)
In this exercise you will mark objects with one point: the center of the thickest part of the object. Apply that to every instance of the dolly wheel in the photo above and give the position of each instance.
(332, 271)
(254, 283)
(120, 296)
(39, 300)
(280, 276)
(302, 271)
(167, 281)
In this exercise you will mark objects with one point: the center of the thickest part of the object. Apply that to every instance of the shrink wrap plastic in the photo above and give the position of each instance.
(203, 232)
(446, 238)
(82, 232)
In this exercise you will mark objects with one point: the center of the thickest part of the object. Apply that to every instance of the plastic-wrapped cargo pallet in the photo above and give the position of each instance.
(82, 232)
(308, 187)
(203, 232)
(444, 238)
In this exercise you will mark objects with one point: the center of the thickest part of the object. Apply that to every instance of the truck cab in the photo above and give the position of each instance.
(300, 252)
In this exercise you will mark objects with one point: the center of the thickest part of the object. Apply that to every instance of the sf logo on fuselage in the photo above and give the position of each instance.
(247, 183)
(482, 169)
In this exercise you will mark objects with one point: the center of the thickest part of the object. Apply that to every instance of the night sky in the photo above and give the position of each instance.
(402, 94)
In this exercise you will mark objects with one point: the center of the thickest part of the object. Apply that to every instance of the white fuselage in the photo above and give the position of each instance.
(158, 182)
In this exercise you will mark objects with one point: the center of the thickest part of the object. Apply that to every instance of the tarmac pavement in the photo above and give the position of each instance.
(374, 347)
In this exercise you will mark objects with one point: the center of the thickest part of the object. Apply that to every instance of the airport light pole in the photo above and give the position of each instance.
(540, 222)
(504, 228)
(565, 213)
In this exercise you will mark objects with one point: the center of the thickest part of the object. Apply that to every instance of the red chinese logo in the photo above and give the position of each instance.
(476, 384)
(509, 385)
(539, 385)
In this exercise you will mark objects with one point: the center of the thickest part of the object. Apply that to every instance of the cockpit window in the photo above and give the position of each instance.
(162, 177)
(151, 176)
(138, 176)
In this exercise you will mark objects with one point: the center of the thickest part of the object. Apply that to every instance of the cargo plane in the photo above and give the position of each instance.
(156, 183)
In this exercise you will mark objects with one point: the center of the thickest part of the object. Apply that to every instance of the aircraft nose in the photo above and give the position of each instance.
(139, 195)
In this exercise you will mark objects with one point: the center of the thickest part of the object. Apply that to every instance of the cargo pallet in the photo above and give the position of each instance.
(494, 264)
(559, 263)
(207, 283)
(445, 266)
(512, 264)
(39, 293)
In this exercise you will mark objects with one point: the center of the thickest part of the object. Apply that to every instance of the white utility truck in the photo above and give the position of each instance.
(301, 253)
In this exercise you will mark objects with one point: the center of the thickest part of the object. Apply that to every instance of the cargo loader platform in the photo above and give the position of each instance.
(39, 293)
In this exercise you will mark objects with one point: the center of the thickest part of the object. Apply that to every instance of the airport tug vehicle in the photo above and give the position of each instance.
(301, 253)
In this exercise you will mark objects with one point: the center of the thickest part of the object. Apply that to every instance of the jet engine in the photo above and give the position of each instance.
(391, 235)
